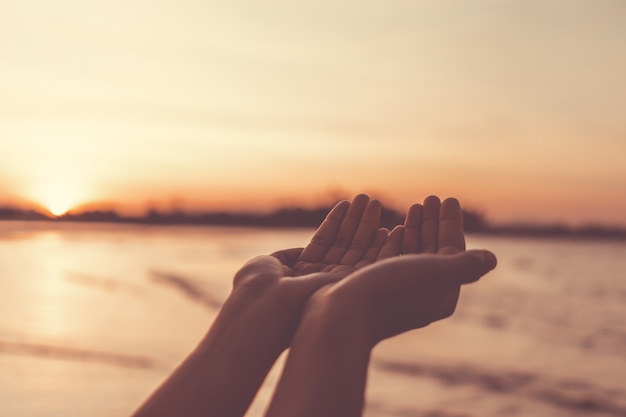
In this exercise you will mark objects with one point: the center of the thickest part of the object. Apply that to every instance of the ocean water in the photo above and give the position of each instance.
(93, 317)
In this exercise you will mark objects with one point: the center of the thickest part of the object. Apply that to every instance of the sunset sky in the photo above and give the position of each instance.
(516, 107)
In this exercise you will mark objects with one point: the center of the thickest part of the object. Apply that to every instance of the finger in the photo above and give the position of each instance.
(288, 256)
(365, 232)
(347, 230)
(393, 244)
(451, 238)
(412, 238)
(466, 267)
(430, 224)
(325, 234)
(372, 253)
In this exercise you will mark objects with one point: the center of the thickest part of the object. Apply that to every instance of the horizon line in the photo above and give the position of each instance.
(294, 217)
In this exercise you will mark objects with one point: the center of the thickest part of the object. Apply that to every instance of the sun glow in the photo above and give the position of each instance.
(58, 197)
(59, 208)
(60, 203)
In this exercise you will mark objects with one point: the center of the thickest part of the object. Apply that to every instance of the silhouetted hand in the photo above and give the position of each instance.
(414, 280)
(280, 284)
(408, 292)
(399, 293)
(433, 227)
(348, 239)
(258, 319)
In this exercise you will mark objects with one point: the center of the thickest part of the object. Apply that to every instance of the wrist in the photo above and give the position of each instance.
(326, 370)
(339, 316)
(245, 324)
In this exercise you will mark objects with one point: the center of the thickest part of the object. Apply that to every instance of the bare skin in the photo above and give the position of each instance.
(260, 316)
(326, 370)
(340, 295)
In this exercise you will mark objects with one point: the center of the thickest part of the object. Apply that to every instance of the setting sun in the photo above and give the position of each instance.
(57, 196)
(58, 208)
(60, 200)
(194, 106)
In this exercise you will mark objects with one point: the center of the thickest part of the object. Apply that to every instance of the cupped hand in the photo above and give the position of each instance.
(403, 293)
(418, 273)
(278, 286)
(432, 227)
(349, 238)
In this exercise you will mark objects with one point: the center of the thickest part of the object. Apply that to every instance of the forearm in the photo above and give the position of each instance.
(326, 371)
(222, 375)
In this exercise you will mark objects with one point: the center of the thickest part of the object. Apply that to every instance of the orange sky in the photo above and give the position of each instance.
(516, 107)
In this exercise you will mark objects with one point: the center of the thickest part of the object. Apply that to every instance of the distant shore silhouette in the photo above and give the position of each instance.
(298, 217)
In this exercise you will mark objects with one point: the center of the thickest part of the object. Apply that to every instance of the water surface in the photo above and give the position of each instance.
(93, 317)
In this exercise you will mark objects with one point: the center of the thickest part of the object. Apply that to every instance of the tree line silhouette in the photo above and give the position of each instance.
(292, 217)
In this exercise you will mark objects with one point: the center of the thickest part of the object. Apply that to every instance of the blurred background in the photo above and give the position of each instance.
(515, 107)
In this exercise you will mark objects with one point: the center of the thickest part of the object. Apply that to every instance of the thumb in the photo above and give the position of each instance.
(288, 256)
(469, 266)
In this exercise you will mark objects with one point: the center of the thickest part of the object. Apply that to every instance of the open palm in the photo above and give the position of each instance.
(432, 227)
(350, 236)
(348, 239)
(399, 293)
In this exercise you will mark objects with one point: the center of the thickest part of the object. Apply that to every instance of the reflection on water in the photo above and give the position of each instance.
(93, 317)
